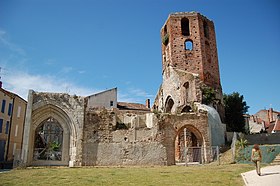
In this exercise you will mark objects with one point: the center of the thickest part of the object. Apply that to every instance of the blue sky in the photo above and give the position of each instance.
(83, 47)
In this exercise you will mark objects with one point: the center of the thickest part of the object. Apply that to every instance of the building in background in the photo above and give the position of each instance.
(12, 117)
(264, 121)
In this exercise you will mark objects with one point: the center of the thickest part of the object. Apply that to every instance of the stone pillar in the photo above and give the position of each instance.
(25, 154)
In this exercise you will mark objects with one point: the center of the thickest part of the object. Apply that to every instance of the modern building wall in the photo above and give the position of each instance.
(106, 99)
(11, 124)
(6, 101)
(17, 126)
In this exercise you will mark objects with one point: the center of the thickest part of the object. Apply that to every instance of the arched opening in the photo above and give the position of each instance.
(165, 30)
(206, 29)
(188, 45)
(186, 91)
(187, 108)
(185, 27)
(52, 139)
(48, 141)
(188, 144)
(169, 104)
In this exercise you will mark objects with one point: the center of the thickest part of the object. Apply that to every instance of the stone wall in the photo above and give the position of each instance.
(109, 140)
(116, 138)
(263, 139)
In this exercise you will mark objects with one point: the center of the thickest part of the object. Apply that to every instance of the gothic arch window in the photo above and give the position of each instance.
(48, 141)
(185, 27)
(188, 45)
(165, 30)
(206, 29)
(169, 104)
(186, 90)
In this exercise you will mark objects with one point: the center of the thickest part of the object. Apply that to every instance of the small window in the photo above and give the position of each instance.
(206, 29)
(3, 106)
(7, 127)
(185, 27)
(16, 131)
(111, 103)
(1, 125)
(10, 109)
(188, 45)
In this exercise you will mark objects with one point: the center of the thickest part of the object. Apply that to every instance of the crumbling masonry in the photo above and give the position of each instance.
(97, 130)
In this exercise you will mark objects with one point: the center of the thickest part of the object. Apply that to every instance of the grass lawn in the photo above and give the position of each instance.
(167, 175)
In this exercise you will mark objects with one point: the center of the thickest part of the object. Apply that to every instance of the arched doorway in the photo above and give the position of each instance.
(48, 143)
(188, 144)
(169, 104)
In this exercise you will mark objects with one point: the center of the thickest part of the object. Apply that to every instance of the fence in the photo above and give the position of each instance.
(197, 155)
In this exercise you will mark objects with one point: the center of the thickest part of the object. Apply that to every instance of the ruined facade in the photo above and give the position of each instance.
(97, 130)
(189, 64)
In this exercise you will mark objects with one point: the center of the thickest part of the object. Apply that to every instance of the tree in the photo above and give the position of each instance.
(208, 95)
(235, 108)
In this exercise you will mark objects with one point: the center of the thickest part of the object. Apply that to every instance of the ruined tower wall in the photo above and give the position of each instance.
(202, 57)
(189, 47)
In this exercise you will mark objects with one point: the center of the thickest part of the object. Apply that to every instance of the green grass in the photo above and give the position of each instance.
(171, 175)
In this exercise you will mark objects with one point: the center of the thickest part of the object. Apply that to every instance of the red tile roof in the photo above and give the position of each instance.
(132, 106)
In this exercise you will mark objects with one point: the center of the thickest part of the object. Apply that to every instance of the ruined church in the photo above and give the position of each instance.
(183, 124)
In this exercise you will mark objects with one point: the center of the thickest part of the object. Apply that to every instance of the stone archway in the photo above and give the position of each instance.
(56, 118)
(188, 143)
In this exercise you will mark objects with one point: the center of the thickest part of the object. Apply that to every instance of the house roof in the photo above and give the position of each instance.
(277, 125)
(131, 106)
(12, 95)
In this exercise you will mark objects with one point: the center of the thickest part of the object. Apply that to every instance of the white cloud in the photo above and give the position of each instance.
(139, 93)
(81, 71)
(66, 70)
(4, 40)
(134, 95)
(20, 82)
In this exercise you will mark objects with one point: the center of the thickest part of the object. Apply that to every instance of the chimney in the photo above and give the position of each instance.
(147, 103)
(0, 84)
(271, 115)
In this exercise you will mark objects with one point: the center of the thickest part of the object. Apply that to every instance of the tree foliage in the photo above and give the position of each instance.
(235, 108)
(208, 95)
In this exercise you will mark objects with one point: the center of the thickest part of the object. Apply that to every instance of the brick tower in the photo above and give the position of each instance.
(189, 44)
(189, 63)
